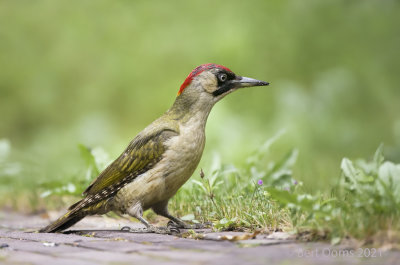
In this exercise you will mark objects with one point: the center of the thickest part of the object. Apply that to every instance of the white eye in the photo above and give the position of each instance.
(222, 77)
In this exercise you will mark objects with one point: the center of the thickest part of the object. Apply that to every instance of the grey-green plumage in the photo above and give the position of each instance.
(162, 157)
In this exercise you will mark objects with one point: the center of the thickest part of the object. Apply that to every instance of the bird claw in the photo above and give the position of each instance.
(173, 227)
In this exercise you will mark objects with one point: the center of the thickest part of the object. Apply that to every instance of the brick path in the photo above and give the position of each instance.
(98, 240)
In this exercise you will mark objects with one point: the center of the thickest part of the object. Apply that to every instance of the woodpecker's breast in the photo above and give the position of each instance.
(182, 155)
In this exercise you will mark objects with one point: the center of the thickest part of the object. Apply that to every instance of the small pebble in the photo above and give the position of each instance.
(49, 244)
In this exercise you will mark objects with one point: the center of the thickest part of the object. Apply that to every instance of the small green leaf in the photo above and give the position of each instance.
(335, 240)
(378, 157)
(200, 184)
(348, 169)
(223, 221)
(46, 193)
(188, 217)
(87, 155)
(216, 163)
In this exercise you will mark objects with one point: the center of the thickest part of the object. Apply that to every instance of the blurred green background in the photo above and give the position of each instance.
(97, 72)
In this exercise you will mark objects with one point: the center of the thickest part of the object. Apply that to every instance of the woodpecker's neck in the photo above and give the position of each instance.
(191, 105)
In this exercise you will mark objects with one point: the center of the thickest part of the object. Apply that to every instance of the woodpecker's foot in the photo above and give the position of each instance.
(188, 226)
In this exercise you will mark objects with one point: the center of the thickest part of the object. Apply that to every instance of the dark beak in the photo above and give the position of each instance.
(241, 81)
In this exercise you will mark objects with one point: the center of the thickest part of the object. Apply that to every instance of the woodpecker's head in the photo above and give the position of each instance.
(206, 85)
(215, 81)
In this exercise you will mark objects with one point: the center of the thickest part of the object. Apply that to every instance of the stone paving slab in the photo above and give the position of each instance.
(91, 243)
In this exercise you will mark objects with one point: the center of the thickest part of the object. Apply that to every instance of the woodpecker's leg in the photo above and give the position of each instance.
(137, 211)
(161, 208)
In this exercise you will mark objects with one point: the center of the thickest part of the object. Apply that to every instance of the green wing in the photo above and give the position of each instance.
(140, 156)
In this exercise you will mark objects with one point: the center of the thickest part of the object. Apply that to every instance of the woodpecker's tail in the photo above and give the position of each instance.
(64, 222)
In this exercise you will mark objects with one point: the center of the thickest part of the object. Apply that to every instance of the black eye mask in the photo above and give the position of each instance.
(224, 86)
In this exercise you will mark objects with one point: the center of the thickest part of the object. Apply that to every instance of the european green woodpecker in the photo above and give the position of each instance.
(162, 157)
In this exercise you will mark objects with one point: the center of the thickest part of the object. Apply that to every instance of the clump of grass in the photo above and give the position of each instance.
(364, 205)
(235, 197)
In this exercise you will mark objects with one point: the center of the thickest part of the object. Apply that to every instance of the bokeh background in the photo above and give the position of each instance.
(97, 72)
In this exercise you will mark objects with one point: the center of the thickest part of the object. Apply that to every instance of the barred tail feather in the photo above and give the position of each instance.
(64, 222)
